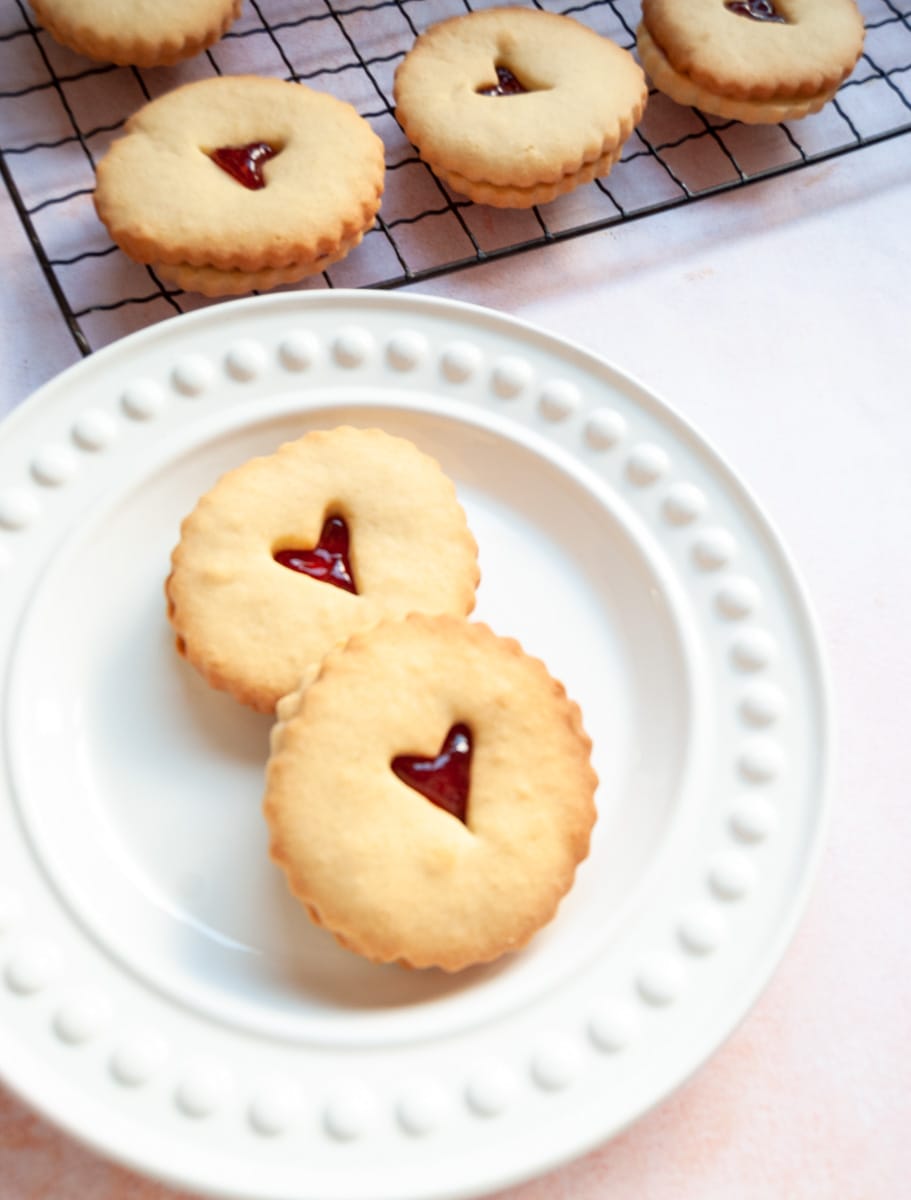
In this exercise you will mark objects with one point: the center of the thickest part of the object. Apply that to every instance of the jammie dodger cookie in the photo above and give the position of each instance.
(291, 553)
(430, 795)
(241, 182)
(141, 35)
(757, 61)
(513, 106)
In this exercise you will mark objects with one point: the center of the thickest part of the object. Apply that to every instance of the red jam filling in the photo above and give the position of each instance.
(506, 85)
(327, 561)
(245, 163)
(757, 10)
(443, 780)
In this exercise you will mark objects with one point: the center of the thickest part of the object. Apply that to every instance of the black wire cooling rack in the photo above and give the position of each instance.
(59, 112)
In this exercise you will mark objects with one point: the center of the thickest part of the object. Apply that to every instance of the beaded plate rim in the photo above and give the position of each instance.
(69, 1005)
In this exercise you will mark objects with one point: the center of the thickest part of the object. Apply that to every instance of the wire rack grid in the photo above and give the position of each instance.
(59, 113)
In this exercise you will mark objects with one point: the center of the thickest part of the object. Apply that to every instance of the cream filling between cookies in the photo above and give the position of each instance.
(685, 90)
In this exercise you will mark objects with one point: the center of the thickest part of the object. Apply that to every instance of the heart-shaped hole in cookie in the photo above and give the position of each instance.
(328, 560)
(507, 85)
(245, 163)
(444, 780)
(756, 10)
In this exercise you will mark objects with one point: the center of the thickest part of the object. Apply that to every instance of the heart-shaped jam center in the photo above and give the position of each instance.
(757, 10)
(443, 780)
(328, 560)
(245, 163)
(506, 85)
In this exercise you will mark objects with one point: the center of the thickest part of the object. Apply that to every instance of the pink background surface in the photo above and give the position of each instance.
(809, 1099)
(778, 321)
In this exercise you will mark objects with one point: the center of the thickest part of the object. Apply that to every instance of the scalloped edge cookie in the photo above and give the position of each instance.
(392, 876)
(253, 627)
(759, 72)
(585, 96)
(166, 202)
(113, 31)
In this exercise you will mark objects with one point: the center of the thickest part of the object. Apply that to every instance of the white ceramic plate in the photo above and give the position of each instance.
(161, 996)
